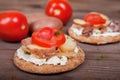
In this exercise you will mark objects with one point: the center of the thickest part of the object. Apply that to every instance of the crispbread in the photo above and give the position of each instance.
(94, 39)
(72, 63)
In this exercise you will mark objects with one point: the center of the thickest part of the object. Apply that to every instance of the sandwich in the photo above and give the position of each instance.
(95, 28)
(48, 51)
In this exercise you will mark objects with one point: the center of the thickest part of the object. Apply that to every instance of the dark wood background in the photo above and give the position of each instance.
(107, 68)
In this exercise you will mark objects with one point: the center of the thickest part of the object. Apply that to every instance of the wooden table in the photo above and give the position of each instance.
(107, 68)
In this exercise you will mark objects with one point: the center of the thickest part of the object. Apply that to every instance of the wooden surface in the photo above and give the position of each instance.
(93, 68)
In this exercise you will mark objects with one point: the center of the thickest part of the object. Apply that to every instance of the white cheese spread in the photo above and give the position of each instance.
(96, 32)
(55, 60)
(76, 30)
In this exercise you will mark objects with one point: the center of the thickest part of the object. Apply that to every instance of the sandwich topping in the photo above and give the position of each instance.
(48, 37)
(47, 46)
(54, 60)
(96, 24)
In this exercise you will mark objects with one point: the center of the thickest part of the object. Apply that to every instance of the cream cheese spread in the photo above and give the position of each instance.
(55, 60)
(96, 32)
(76, 30)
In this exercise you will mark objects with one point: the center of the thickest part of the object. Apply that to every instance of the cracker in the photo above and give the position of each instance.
(94, 39)
(72, 63)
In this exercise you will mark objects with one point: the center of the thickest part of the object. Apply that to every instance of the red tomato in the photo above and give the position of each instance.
(13, 26)
(60, 9)
(94, 18)
(48, 37)
(46, 33)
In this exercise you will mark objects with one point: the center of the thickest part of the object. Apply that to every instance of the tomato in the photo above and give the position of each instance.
(94, 18)
(48, 37)
(60, 9)
(13, 26)
(46, 33)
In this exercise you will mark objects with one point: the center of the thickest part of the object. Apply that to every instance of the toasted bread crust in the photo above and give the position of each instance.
(94, 39)
(50, 69)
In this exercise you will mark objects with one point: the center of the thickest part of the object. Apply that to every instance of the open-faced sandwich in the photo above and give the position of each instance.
(48, 51)
(95, 28)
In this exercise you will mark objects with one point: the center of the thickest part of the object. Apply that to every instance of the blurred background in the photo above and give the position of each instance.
(80, 7)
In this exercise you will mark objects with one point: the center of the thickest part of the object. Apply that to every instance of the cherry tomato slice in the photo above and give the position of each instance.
(48, 37)
(94, 18)
(46, 33)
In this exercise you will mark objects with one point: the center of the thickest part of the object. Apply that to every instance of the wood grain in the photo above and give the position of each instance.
(92, 69)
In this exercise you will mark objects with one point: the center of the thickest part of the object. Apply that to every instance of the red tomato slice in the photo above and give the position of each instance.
(48, 37)
(60, 9)
(94, 18)
(46, 33)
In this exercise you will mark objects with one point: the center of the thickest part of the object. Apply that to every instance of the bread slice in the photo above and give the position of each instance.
(72, 63)
(94, 39)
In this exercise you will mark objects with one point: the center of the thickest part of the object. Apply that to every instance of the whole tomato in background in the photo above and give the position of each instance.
(60, 9)
(13, 26)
